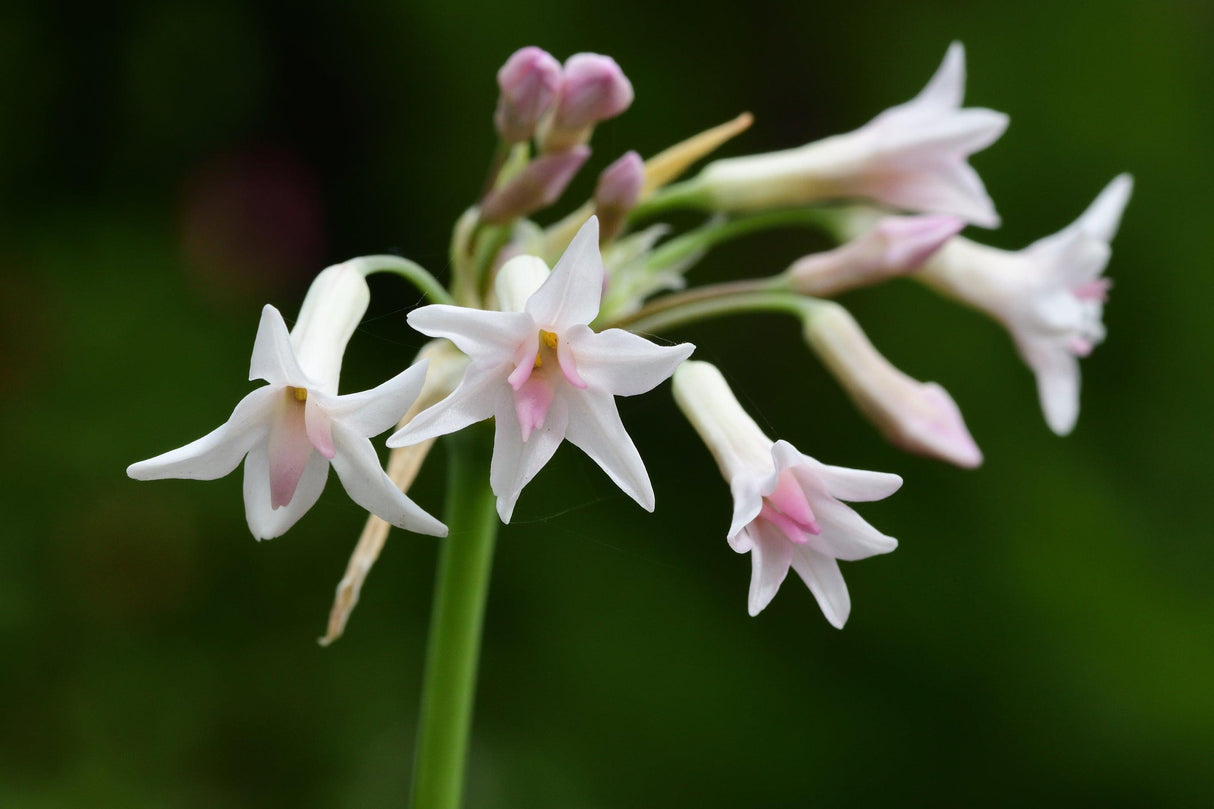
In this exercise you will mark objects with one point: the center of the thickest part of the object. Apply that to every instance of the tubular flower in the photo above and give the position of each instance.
(538, 368)
(1050, 295)
(911, 156)
(289, 431)
(787, 509)
(920, 417)
(895, 246)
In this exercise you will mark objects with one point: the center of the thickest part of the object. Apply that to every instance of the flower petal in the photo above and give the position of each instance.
(370, 412)
(572, 292)
(951, 187)
(515, 462)
(479, 333)
(1103, 216)
(622, 363)
(845, 534)
(770, 555)
(747, 490)
(368, 485)
(596, 429)
(824, 579)
(265, 521)
(289, 449)
(1057, 372)
(319, 426)
(855, 485)
(469, 403)
(273, 356)
(946, 88)
(218, 452)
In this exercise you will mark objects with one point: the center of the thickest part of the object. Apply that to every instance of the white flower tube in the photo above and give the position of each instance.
(912, 156)
(920, 417)
(787, 506)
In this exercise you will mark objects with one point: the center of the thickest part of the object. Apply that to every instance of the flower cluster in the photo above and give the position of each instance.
(544, 352)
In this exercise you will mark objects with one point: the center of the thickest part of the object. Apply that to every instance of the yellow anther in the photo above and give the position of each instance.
(549, 338)
(301, 394)
(538, 361)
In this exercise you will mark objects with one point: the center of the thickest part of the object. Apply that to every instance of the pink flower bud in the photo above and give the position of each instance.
(617, 193)
(593, 89)
(918, 416)
(896, 246)
(540, 184)
(529, 82)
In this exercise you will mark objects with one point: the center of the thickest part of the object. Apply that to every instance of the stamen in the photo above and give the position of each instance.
(549, 338)
(300, 394)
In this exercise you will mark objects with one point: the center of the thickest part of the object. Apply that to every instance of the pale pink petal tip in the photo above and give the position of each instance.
(912, 240)
(531, 403)
(940, 430)
(289, 452)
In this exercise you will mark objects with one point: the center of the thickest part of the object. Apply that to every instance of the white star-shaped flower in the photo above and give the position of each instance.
(543, 374)
(787, 507)
(290, 431)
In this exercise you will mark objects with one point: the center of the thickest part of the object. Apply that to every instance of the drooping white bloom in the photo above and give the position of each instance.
(911, 156)
(289, 431)
(787, 506)
(545, 376)
(920, 417)
(1050, 295)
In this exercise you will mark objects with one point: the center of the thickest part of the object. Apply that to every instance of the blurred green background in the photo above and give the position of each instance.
(1043, 636)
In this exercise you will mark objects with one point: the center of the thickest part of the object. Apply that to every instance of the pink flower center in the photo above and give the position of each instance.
(298, 430)
(533, 378)
(788, 509)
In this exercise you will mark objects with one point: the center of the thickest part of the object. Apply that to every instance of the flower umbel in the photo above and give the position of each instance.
(787, 509)
(289, 431)
(545, 376)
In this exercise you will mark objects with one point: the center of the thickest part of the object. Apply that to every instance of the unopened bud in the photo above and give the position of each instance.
(593, 89)
(896, 246)
(537, 186)
(617, 193)
(517, 280)
(529, 82)
(918, 416)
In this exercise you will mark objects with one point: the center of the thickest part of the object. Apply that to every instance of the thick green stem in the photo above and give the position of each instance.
(412, 271)
(455, 625)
